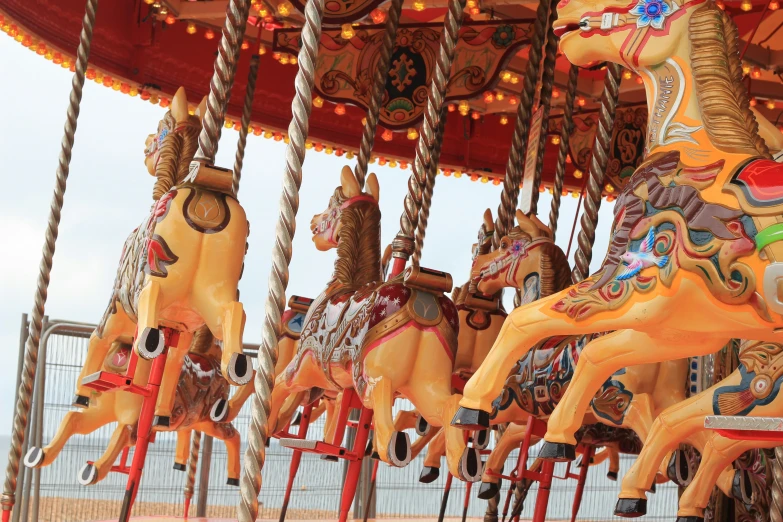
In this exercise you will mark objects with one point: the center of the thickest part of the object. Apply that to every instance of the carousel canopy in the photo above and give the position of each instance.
(148, 48)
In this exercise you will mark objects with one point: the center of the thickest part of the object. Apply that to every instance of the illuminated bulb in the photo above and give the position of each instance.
(505, 76)
(318, 102)
(170, 19)
(514, 79)
(489, 97)
(771, 104)
(721, 5)
(555, 92)
(392, 163)
(755, 72)
(475, 115)
(387, 135)
(381, 161)
(464, 107)
(413, 134)
(774, 5)
(458, 174)
(496, 181)
(276, 56)
(364, 121)
(419, 5)
(473, 11)
(564, 192)
(293, 60)
(578, 174)
(262, 50)
(609, 199)
(451, 107)
(347, 32)
(499, 96)
(746, 5)
(504, 120)
(163, 10)
(228, 123)
(191, 28)
(156, 4)
(639, 80)
(263, 12)
(329, 149)
(609, 188)
(513, 100)
(378, 16)
(308, 144)
(284, 9)
(285, 59)
(574, 194)
(349, 155)
(339, 109)
(627, 74)
(149, 2)
(555, 140)
(745, 69)
(245, 45)
(753, 102)
(484, 179)
(470, 4)
(209, 34)
(581, 101)
(268, 134)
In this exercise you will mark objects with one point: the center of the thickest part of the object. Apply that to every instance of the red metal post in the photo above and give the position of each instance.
(587, 456)
(445, 501)
(466, 502)
(355, 466)
(296, 459)
(544, 486)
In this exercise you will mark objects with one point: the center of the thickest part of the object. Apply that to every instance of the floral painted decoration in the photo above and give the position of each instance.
(651, 13)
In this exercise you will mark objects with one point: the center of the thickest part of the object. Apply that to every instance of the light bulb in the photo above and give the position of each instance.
(746, 5)
(191, 28)
(413, 133)
(347, 32)
(504, 120)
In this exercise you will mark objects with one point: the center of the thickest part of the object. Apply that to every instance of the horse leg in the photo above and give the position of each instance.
(394, 447)
(422, 442)
(289, 407)
(614, 463)
(234, 404)
(93, 473)
(225, 318)
(508, 442)
(405, 420)
(435, 450)
(226, 432)
(330, 426)
(80, 422)
(182, 451)
(598, 361)
(150, 341)
(117, 325)
(168, 384)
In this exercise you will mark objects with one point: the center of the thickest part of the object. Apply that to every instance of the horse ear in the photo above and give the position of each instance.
(348, 181)
(527, 226)
(179, 105)
(542, 227)
(373, 188)
(489, 224)
(201, 110)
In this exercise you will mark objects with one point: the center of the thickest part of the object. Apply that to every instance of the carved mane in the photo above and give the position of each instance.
(555, 270)
(176, 152)
(359, 246)
(717, 74)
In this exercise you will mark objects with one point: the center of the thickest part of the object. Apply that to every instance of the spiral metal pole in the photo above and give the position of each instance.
(255, 455)
(239, 159)
(547, 83)
(516, 155)
(222, 80)
(776, 489)
(55, 211)
(195, 446)
(403, 244)
(562, 153)
(379, 86)
(426, 197)
(595, 179)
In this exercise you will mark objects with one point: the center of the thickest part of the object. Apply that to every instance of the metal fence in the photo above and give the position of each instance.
(53, 494)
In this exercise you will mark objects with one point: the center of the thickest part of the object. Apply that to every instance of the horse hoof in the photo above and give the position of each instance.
(612, 475)
(429, 474)
(179, 467)
(232, 482)
(151, 343)
(481, 439)
(630, 507)
(488, 490)
(161, 421)
(422, 426)
(375, 455)
(330, 458)
(651, 490)
(80, 401)
(557, 451)
(240, 369)
(741, 488)
(34, 457)
(88, 475)
(469, 419)
(690, 519)
(297, 419)
(399, 449)
(470, 466)
(678, 470)
(219, 410)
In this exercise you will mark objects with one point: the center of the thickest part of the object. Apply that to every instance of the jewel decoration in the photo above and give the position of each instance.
(651, 13)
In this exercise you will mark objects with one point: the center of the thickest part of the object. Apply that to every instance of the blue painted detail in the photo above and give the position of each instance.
(744, 386)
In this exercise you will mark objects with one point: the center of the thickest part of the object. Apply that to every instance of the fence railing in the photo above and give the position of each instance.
(53, 494)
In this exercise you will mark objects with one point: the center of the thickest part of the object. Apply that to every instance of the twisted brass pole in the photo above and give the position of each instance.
(379, 86)
(36, 318)
(239, 159)
(776, 490)
(562, 153)
(516, 155)
(255, 454)
(595, 179)
(403, 244)
(547, 83)
(192, 466)
(426, 198)
(222, 80)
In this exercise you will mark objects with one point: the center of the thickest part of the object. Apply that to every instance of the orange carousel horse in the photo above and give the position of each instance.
(180, 269)
(200, 386)
(695, 256)
(379, 338)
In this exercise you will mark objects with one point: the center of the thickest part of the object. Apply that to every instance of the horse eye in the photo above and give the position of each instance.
(503, 244)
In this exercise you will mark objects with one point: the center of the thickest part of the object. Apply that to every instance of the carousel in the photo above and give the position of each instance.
(667, 108)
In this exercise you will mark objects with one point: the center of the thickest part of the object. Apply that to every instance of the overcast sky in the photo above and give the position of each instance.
(109, 193)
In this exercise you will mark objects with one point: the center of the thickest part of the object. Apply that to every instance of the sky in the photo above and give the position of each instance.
(109, 191)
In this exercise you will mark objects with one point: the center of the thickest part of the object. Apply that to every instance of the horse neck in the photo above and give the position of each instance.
(359, 247)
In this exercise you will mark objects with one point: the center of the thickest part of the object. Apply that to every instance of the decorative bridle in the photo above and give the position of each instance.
(330, 221)
(510, 260)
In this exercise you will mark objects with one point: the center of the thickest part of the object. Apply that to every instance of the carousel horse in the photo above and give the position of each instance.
(180, 269)
(200, 386)
(695, 254)
(529, 260)
(751, 390)
(378, 338)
